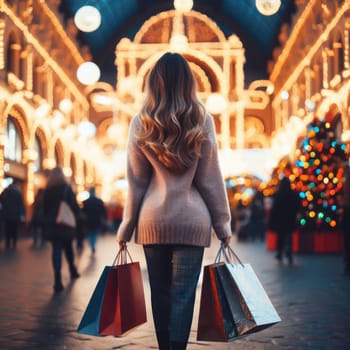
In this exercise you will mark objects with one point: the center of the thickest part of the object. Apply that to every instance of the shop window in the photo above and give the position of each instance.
(330, 63)
(339, 57)
(13, 60)
(13, 146)
(39, 152)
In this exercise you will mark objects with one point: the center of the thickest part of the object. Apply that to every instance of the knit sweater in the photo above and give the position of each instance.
(164, 207)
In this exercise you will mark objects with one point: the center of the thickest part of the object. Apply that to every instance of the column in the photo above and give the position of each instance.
(240, 125)
(29, 155)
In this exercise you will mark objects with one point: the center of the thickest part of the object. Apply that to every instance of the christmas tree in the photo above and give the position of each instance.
(317, 176)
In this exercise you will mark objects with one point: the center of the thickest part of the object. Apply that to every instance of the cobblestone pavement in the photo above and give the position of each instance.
(312, 298)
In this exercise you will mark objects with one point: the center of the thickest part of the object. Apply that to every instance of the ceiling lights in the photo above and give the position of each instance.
(183, 5)
(268, 7)
(87, 18)
(216, 103)
(88, 73)
(86, 129)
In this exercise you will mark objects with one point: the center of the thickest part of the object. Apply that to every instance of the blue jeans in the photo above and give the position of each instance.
(173, 272)
(92, 237)
(58, 246)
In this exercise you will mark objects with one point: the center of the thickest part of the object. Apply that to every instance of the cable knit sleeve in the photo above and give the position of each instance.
(139, 172)
(210, 183)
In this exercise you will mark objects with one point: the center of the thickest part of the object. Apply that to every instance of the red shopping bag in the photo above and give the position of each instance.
(119, 303)
(124, 302)
(215, 323)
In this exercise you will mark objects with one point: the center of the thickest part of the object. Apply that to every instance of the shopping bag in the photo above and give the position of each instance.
(65, 215)
(118, 303)
(215, 323)
(233, 301)
(89, 323)
(124, 302)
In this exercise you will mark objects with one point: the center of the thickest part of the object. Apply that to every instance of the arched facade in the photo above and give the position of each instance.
(217, 63)
(313, 67)
(38, 61)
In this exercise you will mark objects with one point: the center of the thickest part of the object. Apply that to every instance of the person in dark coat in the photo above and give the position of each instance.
(345, 219)
(257, 220)
(36, 221)
(60, 236)
(13, 212)
(283, 218)
(96, 216)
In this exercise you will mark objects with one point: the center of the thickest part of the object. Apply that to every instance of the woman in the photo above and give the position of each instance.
(176, 194)
(345, 218)
(60, 236)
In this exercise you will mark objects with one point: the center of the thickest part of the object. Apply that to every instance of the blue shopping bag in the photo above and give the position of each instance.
(90, 322)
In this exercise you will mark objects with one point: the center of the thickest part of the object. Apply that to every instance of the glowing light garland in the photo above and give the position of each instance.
(317, 176)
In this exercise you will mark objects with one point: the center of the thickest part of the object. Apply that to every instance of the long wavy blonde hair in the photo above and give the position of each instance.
(172, 116)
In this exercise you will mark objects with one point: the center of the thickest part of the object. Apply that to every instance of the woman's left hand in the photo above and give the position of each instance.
(122, 244)
(226, 241)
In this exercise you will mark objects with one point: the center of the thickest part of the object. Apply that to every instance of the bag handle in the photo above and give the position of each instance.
(229, 255)
(122, 256)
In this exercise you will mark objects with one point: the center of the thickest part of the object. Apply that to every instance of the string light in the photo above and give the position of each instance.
(268, 7)
(87, 18)
(88, 73)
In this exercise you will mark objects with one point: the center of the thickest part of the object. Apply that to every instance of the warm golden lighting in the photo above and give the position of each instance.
(57, 119)
(42, 110)
(178, 43)
(103, 99)
(88, 73)
(65, 105)
(268, 7)
(86, 129)
(216, 103)
(284, 95)
(183, 5)
(114, 131)
(87, 18)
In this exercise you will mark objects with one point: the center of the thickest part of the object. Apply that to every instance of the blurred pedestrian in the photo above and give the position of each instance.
(345, 219)
(60, 236)
(81, 231)
(333, 122)
(257, 219)
(176, 194)
(36, 221)
(283, 218)
(243, 220)
(96, 217)
(13, 212)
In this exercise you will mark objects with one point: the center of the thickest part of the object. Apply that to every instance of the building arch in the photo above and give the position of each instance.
(18, 115)
(209, 74)
(41, 138)
(191, 19)
(59, 154)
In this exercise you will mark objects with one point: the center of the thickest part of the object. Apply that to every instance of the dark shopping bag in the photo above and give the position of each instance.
(117, 304)
(233, 301)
